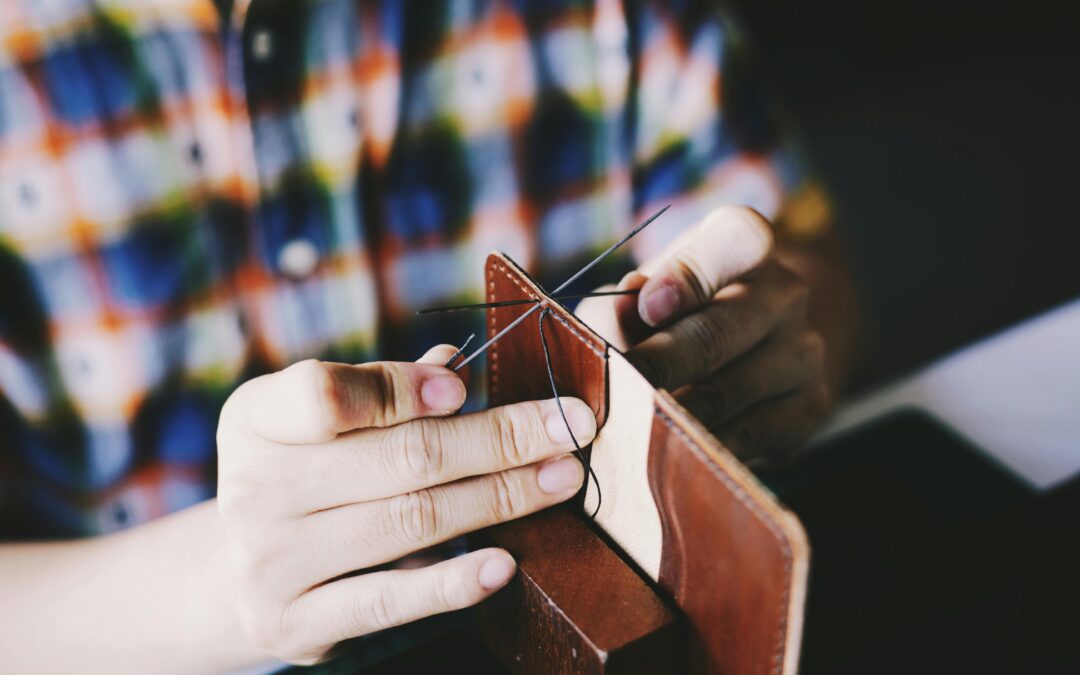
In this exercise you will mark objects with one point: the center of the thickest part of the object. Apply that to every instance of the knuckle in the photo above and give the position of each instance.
(814, 348)
(753, 226)
(235, 499)
(813, 355)
(422, 456)
(320, 387)
(506, 499)
(375, 610)
(800, 297)
(416, 518)
(252, 564)
(707, 341)
(265, 634)
(794, 292)
(513, 431)
(451, 592)
(383, 394)
(271, 630)
(268, 631)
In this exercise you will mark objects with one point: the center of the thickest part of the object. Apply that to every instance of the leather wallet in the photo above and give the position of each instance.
(694, 521)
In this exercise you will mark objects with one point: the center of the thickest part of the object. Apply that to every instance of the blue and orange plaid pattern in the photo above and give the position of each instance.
(188, 200)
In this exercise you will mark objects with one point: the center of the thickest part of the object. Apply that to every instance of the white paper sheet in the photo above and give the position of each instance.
(1015, 395)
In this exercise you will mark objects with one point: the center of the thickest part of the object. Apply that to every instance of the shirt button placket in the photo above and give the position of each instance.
(298, 259)
(262, 45)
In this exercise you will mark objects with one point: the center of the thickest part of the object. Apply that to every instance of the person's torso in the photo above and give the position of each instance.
(186, 202)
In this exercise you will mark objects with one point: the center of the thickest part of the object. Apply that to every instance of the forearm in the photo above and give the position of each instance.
(156, 598)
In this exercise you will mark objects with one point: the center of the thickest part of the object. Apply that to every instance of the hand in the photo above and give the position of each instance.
(329, 469)
(722, 324)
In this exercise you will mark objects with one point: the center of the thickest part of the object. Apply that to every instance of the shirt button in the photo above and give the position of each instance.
(27, 195)
(262, 45)
(298, 259)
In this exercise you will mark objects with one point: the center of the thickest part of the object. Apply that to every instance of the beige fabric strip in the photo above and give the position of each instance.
(620, 457)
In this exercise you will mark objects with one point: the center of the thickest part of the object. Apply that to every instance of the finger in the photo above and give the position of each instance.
(313, 401)
(779, 365)
(439, 355)
(378, 463)
(740, 316)
(367, 534)
(774, 430)
(728, 244)
(633, 328)
(371, 602)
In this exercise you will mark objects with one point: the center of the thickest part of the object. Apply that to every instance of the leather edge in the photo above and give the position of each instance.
(560, 313)
(497, 257)
(781, 522)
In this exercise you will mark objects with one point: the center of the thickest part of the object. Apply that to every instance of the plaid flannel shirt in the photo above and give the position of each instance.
(189, 199)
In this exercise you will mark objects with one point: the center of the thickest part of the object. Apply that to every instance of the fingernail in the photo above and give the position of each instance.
(581, 419)
(660, 304)
(561, 475)
(497, 571)
(443, 393)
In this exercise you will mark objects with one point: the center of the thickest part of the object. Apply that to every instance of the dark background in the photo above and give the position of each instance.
(946, 134)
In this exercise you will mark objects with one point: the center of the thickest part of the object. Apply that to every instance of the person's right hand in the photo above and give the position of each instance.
(330, 469)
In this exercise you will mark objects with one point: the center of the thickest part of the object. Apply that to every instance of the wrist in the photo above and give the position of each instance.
(211, 623)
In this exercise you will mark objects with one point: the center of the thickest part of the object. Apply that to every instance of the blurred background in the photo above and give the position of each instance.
(947, 134)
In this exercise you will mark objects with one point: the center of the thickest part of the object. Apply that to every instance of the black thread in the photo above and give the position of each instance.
(578, 452)
(577, 275)
(511, 303)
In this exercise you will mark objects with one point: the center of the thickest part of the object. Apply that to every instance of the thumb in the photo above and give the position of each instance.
(314, 401)
(729, 243)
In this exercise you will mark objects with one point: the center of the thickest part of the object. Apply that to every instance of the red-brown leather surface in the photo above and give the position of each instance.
(726, 561)
(733, 560)
(516, 370)
(575, 606)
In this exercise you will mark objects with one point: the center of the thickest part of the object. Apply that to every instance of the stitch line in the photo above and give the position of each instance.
(493, 359)
(760, 515)
(586, 341)
(573, 331)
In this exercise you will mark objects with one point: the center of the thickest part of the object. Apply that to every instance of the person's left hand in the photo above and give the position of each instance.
(722, 324)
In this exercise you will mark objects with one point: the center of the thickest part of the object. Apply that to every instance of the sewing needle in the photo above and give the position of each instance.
(480, 350)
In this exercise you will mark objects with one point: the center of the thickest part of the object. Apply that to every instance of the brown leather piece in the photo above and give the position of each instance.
(578, 356)
(732, 559)
(575, 606)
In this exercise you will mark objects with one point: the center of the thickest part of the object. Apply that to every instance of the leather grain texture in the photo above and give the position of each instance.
(733, 560)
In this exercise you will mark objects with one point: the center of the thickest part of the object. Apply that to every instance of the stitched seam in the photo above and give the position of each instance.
(529, 292)
(595, 350)
(493, 359)
(576, 333)
(762, 517)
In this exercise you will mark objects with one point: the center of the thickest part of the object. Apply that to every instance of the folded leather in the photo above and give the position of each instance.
(690, 515)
